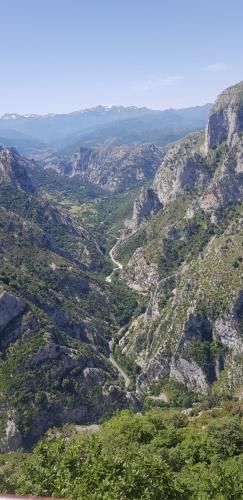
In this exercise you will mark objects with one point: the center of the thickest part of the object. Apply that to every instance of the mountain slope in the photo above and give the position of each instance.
(113, 169)
(56, 316)
(25, 144)
(185, 249)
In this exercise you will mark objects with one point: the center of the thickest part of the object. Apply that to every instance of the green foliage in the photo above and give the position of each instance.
(217, 155)
(127, 249)
(158, 455)
(202, 353)
(178, 395)
(196, 235)
(105, 218)
(174, 252)
(125, 301)
(128, 365)
(62, 188)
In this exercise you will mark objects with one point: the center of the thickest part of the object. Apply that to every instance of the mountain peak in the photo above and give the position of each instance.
(226, 117)
(10, 116)
(229, 96)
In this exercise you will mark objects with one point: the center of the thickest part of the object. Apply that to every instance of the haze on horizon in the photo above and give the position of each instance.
(62, 56)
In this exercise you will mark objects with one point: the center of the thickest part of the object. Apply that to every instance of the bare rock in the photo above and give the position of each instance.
(10, 308)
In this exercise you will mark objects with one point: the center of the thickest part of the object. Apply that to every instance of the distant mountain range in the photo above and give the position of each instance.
(34, 134)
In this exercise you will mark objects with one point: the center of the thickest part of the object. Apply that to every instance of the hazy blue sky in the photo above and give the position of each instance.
(63, 55)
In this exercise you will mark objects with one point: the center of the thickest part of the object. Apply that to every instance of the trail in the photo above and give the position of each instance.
(118, 264)
(119, 369)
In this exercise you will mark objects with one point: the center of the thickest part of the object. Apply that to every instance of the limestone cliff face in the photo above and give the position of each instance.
(206, 165)
(224, 134)
(145, 206)
(12, 170)
(11, 439)
(139, 273)
(210, 164)
(192, 329)
(10, 308)
(226, 118)
(183, 169)
(11, 311)
(112, 169)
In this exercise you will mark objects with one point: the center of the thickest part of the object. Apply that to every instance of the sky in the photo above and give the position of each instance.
(63, 55)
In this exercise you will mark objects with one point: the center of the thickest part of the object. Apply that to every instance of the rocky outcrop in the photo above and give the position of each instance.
(112, 169)
(226, 118)
(183, 169)
(192, 330)
(10, 308)
(188, 373)
(13, 171)
(207, 165)
(11, 439)
(140, 274)
(146, 205)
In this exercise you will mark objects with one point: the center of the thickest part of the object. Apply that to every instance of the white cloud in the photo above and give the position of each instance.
(217, 67)
(157, 83)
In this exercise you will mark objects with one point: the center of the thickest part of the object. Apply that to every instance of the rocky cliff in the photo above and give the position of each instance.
(113, 169)
(187, 256)
(207, 163)
(226, 118)
(12, 170)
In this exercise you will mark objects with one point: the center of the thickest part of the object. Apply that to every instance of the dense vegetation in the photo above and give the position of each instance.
(102, 212)
(162, 454)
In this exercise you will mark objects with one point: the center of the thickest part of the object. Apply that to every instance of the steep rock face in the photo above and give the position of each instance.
(194, 333)
(183, 169)
(10, 308)
(226, 118)
(192, 328)
(205, 167)
(11, 440)
(146, 205)
(139, 274)
(11, 318)
(111, 168)
(210, 164)
(224, 135)
(12, 169)
(226, 184)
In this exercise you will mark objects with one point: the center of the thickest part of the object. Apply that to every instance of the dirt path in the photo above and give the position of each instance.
(118, 265)
(119, 369)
